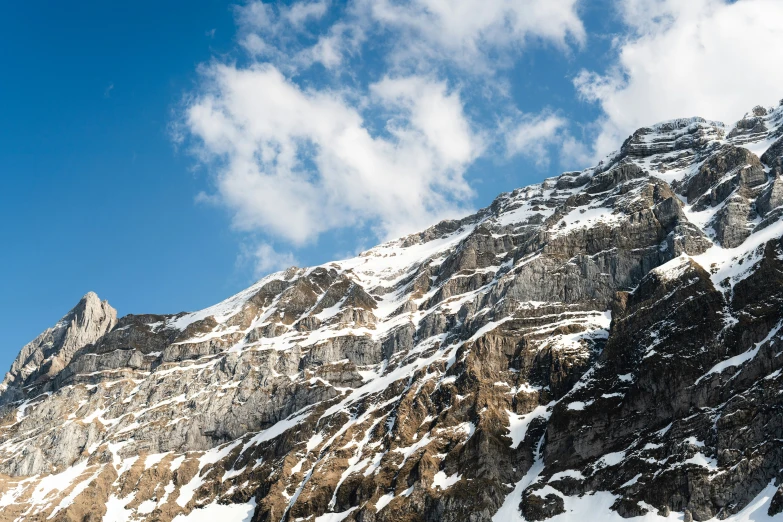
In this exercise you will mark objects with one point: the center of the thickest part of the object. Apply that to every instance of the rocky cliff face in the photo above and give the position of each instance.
(604, 345)
(47, 355)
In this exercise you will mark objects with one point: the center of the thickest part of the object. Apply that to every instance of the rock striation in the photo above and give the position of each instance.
(603, 345)
(49, 353)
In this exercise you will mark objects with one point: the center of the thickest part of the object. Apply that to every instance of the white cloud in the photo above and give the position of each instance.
(266, 259)
(709, 58)
(331, 49)
(279, 33)
(575, 153)
(294, 163)
(383, 140)
(299, 13)
(432, 113)
(474, 35)
(256, 15)
(467, 32)
(534, 134)
(279, 17)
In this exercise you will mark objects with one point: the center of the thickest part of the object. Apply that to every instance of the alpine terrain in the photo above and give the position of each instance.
(605, 345)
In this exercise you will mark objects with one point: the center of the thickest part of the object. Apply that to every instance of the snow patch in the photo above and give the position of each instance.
(443, 481)
(384, 501)
(611, 459)
(742, 358)
(220, 512)
(518, 424)
(335, 517)
(569, 473)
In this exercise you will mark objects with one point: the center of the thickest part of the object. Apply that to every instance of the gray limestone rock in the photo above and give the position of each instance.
(612, 332)
(49, 353)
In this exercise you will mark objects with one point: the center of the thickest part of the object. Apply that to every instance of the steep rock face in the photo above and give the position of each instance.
(49, 353)
(605, 342)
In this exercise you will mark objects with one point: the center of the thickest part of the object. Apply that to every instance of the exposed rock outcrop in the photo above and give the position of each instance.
(607, 340)
(48, 354)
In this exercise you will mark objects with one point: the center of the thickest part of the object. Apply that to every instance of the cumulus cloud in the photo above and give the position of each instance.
(294, 163)
(709, 58)
(381, 141)
(300, 12)
(282, 34)
(534, 134)
(474, 35)
(468, 32)
(266, 259)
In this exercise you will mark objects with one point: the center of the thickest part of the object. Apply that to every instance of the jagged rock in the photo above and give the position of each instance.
(727, 169)
(776, 505)
(535, 507)
(771, 198)
(50, 352)
(589, 337)
(731, 222)
(750, 126)
(773, 157)
(686, 135)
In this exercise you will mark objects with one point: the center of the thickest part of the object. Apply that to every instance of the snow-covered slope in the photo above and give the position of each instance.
(602, 345)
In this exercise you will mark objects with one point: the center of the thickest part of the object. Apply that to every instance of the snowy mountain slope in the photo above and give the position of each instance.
(603, 344)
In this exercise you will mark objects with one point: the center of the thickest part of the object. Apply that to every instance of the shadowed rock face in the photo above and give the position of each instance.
(605, 342)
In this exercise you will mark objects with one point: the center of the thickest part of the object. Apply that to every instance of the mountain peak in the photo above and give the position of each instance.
(90, 296)
(52, 350)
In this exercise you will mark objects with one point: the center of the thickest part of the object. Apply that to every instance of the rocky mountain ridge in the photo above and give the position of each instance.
(603, 345)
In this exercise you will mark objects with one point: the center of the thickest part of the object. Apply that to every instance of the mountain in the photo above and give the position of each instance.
(50, 352)
(601, 346)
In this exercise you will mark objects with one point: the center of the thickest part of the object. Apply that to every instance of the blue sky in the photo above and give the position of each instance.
(167, 154)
